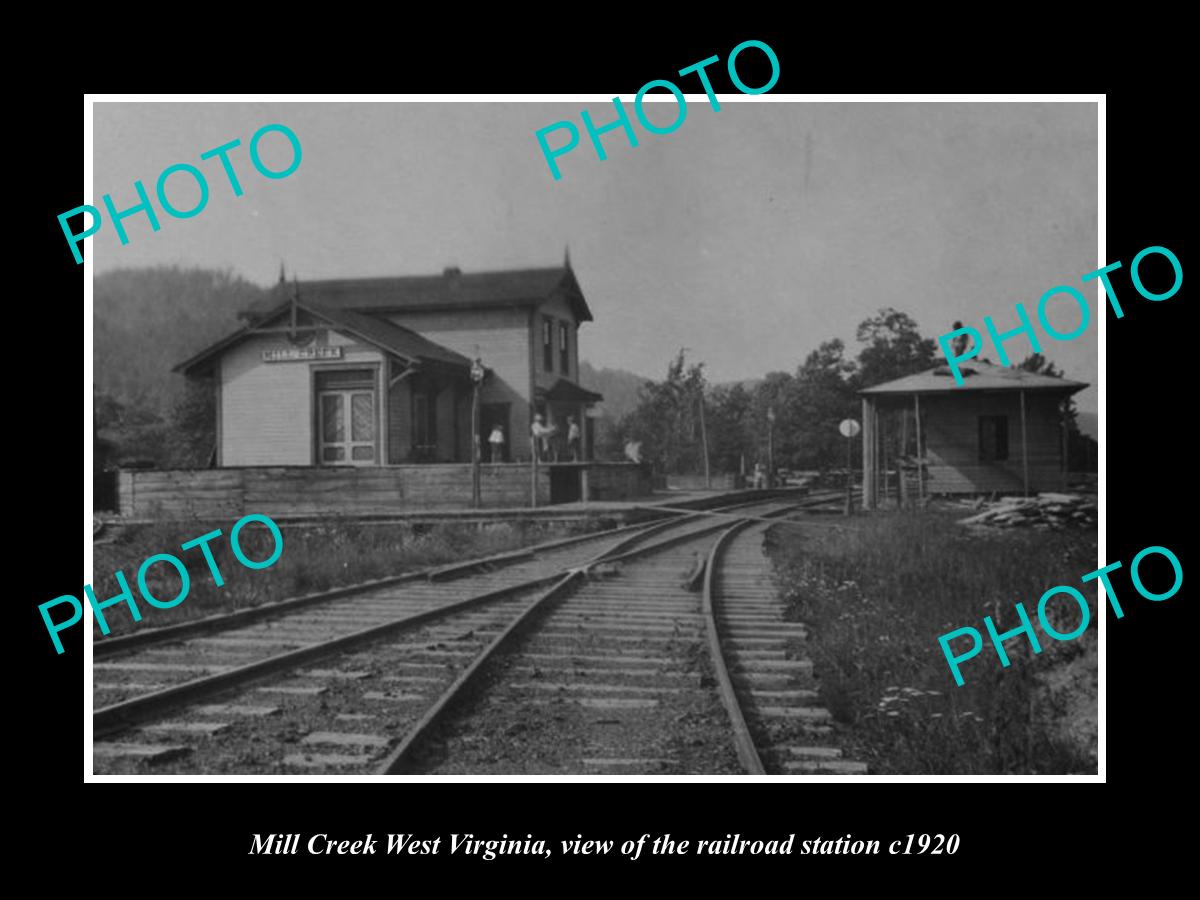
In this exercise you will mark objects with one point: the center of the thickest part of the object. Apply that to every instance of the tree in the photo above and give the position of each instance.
(193, 427)
(667, 418)
(825, 385)
(776, 442)
(728, 414)
(894, 348)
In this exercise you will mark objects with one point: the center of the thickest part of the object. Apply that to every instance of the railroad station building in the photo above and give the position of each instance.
(377, 371)
(356, 397)
(1003, 430)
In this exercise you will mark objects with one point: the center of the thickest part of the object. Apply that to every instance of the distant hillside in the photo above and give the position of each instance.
(619, 387)
(149, 320)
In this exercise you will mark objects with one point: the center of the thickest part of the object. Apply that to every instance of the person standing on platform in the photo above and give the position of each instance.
(573, 438)
(541, 437)
(496, 441)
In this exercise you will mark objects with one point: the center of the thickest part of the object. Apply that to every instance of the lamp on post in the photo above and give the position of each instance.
(849, 429)
(770, 446)
(477, 373)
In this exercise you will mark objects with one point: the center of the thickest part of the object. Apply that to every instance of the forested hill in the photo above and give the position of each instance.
(619, 387)
(147, 321)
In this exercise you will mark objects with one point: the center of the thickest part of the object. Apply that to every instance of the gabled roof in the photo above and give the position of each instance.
(395, 339)
(387, 336)
(452, 289)
(565, 391)
(977, 376)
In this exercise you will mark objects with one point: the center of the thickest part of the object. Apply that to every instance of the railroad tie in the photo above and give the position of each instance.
(152, 753)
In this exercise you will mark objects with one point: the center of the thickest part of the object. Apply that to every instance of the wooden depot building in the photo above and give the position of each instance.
(377, 371)
(356, 396)
(1003, 430)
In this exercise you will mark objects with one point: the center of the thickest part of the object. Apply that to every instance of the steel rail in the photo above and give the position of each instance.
(107, 647)
(743, 740)
(399, 760)
(121, 715)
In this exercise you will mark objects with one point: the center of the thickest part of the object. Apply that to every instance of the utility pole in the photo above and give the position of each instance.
(534, 442)
(477, 373)
(770, 446)
(704, 441)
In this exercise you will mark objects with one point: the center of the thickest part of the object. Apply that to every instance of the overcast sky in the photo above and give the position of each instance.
(749, 235)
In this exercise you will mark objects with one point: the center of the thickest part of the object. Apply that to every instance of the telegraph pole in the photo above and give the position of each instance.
(770, 446)
(477, 373)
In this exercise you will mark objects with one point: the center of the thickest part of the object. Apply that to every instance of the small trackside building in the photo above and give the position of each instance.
(1003, 430)
(377, 371)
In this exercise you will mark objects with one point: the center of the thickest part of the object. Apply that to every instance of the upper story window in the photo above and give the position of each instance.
(548, 343)
(564, 348)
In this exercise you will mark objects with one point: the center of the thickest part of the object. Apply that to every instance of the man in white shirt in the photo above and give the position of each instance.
(541, 437)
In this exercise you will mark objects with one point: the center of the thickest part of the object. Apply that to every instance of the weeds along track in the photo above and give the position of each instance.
(762, 669)
(290, 681)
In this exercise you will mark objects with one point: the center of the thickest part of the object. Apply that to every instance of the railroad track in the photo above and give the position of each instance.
(298, 661)
(155, 659)
(612, 680)
(607, 680)
(763, 671)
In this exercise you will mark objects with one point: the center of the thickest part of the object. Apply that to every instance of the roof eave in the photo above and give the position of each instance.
(1070, 387)
(574, 292)
(194, 364)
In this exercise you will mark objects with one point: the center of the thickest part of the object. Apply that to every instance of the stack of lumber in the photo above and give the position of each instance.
(1043, 511)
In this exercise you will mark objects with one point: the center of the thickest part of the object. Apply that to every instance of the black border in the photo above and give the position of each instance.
(1147, 439)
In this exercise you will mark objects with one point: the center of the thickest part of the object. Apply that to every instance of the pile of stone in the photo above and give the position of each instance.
(1043, 511)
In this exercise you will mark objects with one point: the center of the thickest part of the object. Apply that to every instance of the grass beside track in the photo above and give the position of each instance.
(314, 559)
(877, 597)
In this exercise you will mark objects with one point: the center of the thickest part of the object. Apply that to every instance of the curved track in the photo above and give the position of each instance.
(384, 653)
(763, 670)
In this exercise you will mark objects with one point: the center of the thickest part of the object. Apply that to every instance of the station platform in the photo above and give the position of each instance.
(617, 511)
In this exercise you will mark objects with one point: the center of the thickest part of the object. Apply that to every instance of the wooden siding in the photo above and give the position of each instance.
(951, 437)
(399, 423)
(447, 424)
(559, 310)
(462, 427)
(266, 408)
(332, 490)
(501, 337)
(181, 493)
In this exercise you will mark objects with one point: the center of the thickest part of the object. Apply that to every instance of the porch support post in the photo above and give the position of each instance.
(1024, 447)
(868, 450)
